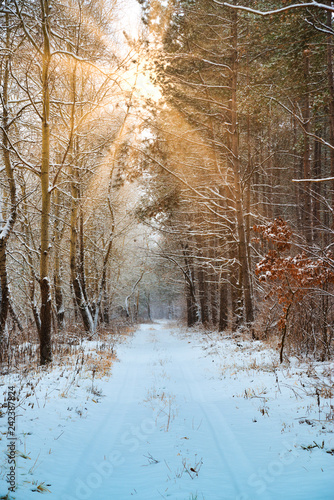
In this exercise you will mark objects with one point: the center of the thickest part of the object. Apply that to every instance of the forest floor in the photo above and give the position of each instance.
(180, 415)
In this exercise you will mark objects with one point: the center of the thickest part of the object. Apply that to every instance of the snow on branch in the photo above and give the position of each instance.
(302, 123)
(276, 11)
(325, 179)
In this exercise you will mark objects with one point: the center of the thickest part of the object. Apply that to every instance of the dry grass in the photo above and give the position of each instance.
(20, 351)
(165, 404)
(100, 362)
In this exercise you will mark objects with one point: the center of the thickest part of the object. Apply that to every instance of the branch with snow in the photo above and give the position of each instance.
(325, 179)
(277, 11)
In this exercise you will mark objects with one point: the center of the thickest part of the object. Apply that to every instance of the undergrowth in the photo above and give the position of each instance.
(19, 353)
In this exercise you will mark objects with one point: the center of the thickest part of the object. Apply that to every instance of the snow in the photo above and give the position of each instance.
(183, 415)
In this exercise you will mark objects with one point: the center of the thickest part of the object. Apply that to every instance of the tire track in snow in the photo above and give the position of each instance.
(229, 449)
(231, 454)
(105, 432)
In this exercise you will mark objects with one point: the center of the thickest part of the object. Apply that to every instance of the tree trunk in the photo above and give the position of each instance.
(307, 215)
(223, 307)
(4, 292)
(81, 259)
(235, 159)
(15, 317)
(330, 41)
(33, 304)
(203, 295)
(296, 169)
(316, 193)
(75, 275)
(213, 299)
(148, 302)
(59, 300)
(77, 268)
(45, 333)
(191, 305)
(8, 226)
(102, 285)
(191, 302)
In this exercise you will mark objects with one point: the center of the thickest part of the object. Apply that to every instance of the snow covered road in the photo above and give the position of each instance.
(174, 422)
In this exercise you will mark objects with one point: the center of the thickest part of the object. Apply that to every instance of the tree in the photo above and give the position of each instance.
(10, 47)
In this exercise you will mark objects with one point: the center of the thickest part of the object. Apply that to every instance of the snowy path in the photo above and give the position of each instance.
(168, 427)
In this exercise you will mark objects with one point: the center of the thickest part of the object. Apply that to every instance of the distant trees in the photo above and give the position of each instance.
(200, 76)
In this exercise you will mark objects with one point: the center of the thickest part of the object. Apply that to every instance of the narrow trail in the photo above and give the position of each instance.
(160, 436)
(168, 427)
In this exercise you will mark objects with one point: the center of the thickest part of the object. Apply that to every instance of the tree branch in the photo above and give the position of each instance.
(276, 11)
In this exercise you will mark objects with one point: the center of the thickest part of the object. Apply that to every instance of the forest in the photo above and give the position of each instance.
(166, 249)
(183, 170)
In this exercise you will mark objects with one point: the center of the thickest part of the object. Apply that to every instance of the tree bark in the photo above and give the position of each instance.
(235, 159)
(307, 215)
(103, 280)
(330, 76)
(59, 300)
(223, 307)
(8, 226)
(15, 316)
(317, 192)
(45, 332)
(203, 294)
(192, 316)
